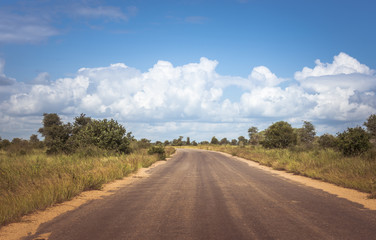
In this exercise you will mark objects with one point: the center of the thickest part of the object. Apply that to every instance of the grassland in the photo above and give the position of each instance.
(33, 181)
(324, 164)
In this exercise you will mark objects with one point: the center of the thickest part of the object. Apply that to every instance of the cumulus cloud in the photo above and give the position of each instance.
(190, 98)
(4, 80)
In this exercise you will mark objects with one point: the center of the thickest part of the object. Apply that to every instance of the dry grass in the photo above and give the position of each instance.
(36, 180)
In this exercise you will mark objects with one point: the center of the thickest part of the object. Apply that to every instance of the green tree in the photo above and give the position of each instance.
(55, 133)
(105, 134)
(307, 133)
(224, 141)
(242, 141)
(214, 140)
(80, 122)
(253, 136)
(279, 135)
(327, 141)
(188, 142)
(234, 142)
(371, 125)
(353, 141)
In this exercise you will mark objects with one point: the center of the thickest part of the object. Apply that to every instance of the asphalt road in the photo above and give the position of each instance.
(206, 195)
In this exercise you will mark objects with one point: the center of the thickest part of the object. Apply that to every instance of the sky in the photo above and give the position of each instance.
(192, 68)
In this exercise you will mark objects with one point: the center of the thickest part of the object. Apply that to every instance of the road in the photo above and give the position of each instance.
(206, 195)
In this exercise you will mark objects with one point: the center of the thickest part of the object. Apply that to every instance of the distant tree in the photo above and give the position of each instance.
(194, 143)
(214, 140)
(307, 133)
(327, 141)
(353, 141)
(224, 141)
(234, 142)
(204, 143)
(188, 142)
(242, 141)
(55, 133)
(279, 135)
(166, 143)
(253, 136)
(178, 142)
(4, 144)
(371, 125)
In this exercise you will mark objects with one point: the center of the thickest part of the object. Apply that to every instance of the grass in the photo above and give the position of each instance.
(35, 181)
(325, 164)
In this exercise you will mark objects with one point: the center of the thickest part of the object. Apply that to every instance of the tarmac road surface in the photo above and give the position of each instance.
(206, 195)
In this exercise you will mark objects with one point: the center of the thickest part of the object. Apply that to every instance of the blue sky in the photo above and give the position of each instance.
(191, 68)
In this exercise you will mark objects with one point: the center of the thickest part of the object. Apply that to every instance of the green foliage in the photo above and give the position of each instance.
(353, 141)
(56, 134)
(108, 135)
(371, 125)
(327, 141)
(279, 135)
(242, 141)
(178, 142)
(224, 141)
(158, 149)
(253, 135)
(307, 133)
(214, 140)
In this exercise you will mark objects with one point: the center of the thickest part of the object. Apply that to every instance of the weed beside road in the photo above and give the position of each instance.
(33, 181)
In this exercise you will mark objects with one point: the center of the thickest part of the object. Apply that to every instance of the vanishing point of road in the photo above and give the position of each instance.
(206, 195)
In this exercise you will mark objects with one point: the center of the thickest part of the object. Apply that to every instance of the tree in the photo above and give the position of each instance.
(234, 142)
(353, 141)
(188, 142)
(194, 143)
(105, 134)
(55, 133)
(327, 141)
(307, 133)
(371, 125)
(224, 141)
(242, 141)
(214, 140)
(253, 136)
(279, 135)
(80, 122)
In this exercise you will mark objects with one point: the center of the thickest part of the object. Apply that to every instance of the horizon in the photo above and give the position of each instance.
(196, 68)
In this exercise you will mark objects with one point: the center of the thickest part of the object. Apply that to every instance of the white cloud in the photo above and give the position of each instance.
(171, 100)
(4, 80)
(342, 64)
(24, 28)
(102, 12)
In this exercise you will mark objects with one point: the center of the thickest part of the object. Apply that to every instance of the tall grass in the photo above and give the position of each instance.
(35, 181)
(325, 164)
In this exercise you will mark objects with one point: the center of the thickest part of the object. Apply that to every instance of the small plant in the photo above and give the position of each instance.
(158, 149)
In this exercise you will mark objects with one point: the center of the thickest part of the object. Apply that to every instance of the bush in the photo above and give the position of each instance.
(158, 149)
(353, 141)
(327, 141)
(279, 135)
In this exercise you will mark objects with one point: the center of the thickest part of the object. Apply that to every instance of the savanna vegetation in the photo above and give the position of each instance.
(73, 157)
(347, 159)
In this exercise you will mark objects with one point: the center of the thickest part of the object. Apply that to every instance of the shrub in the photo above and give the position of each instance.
(158, 149)
(279, 135)
(353, 141)
(327, 141)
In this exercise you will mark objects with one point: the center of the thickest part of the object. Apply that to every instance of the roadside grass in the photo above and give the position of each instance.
(324, 164)
(35, 181)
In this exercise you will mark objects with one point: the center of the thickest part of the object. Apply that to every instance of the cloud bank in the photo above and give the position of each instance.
(167, 101)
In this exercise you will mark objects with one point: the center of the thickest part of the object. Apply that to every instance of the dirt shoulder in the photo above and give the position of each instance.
(30, 223)
(346, 193)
